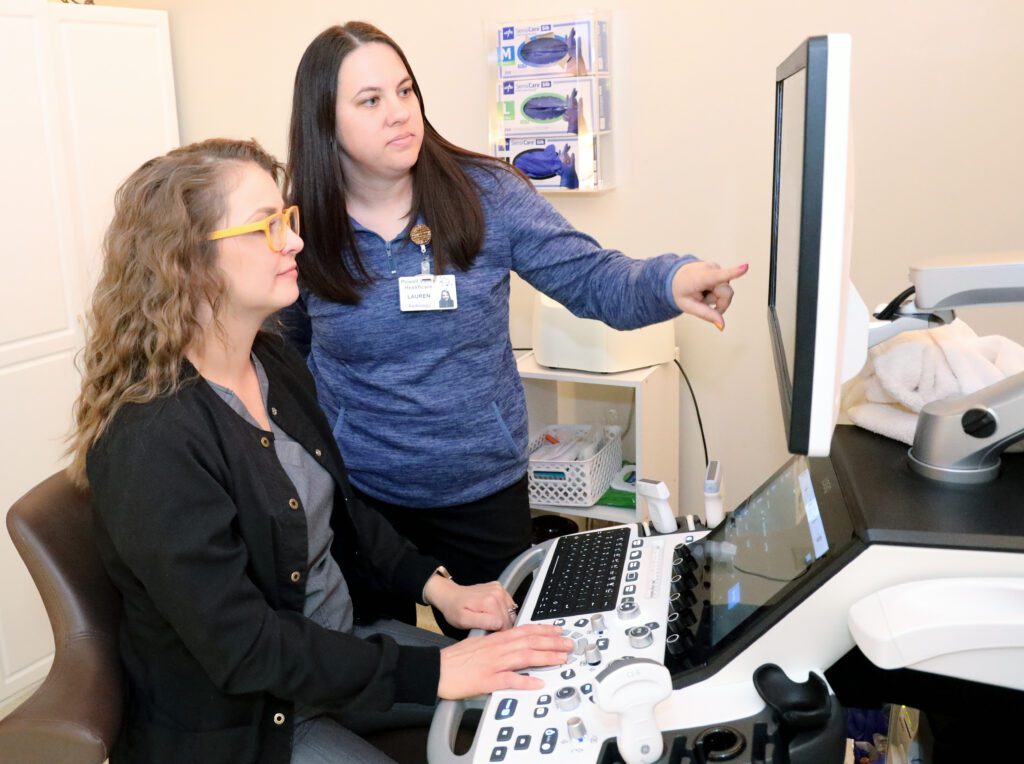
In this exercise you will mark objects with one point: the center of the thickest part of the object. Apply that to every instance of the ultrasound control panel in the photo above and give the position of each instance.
(616, 594)
(675, 622)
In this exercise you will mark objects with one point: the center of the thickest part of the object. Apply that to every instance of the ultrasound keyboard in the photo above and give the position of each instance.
(583, 575)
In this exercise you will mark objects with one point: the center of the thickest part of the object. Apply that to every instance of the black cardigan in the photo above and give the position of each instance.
(201, 531)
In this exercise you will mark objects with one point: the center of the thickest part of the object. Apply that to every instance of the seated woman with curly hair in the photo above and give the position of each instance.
(248, 568)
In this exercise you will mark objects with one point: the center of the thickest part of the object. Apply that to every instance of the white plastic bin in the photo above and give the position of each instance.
(576, 483)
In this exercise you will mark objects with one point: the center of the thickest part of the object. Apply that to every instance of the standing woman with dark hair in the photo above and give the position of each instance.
(427, 405)
(249, 570)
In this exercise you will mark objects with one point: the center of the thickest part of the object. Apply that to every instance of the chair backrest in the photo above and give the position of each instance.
(75, 714)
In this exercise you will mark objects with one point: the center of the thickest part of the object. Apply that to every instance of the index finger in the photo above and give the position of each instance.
(725, 275)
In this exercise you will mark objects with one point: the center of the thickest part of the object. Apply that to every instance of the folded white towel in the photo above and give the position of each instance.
(915, 368)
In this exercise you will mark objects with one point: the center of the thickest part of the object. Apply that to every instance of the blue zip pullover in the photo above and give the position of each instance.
(428, 407)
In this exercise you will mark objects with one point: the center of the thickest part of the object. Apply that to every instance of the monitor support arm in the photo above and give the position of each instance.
(960, 440)
(906, 318)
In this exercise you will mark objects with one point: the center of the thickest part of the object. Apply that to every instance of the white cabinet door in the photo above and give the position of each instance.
(116, 87)
(87, 94)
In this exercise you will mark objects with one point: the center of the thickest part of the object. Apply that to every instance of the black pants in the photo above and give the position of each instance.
(475, 541)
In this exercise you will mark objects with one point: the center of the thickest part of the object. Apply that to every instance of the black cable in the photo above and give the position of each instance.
(696, 408)
(887, 313)
(770, 578)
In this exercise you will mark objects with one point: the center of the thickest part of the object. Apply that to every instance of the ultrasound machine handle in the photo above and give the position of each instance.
(448, 715)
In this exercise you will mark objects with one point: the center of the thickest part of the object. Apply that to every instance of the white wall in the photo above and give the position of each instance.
(937, 112)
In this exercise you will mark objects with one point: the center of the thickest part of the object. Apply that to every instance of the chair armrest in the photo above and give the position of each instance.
(65, 721)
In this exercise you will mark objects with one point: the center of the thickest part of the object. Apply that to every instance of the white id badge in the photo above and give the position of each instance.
(426, 292)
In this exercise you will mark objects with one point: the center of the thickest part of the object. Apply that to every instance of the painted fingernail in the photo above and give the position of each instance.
(720, 326)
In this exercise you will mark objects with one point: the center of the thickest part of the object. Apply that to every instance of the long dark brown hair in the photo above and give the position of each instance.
(443, 193)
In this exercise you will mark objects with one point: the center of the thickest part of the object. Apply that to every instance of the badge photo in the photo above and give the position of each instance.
(444, 291)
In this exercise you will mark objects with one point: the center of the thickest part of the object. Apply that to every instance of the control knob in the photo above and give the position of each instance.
(674, 645)
(681, 600)
(579, 644)
(597, 622)
(683, 582)
(577, 730)
(592, 654)
(673, 623)
(684, 558)
(680, 620)
(567, 698)
(628, 610)
(639, 637)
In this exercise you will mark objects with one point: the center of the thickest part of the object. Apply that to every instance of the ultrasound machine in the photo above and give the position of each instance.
(853, 576)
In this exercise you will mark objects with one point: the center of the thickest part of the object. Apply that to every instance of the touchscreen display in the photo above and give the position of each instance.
(770, 540)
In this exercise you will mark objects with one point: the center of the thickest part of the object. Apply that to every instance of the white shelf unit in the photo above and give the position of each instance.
(650, 438)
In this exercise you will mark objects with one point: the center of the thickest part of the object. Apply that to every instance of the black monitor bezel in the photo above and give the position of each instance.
(796, 393)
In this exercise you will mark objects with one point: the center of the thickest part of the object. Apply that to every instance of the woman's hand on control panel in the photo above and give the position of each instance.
(479, 665)
(481, 606)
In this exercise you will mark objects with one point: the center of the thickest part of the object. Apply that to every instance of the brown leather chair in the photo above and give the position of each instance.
(74, 715)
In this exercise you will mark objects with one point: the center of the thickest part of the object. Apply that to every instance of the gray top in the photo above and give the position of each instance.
(328, 602)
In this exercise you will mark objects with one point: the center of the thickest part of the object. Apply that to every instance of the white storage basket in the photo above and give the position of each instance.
(578, 483)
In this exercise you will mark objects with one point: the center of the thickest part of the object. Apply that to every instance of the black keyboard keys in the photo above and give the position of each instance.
(584, 574)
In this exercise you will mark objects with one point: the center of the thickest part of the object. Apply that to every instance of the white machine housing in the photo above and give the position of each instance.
(563, 341)
(830, 614)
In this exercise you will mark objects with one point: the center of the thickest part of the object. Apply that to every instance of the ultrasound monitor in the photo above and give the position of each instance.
(791, 529)
(809, 286)
(795, 527)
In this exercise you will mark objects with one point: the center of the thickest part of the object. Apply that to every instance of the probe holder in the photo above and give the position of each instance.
(811, 723)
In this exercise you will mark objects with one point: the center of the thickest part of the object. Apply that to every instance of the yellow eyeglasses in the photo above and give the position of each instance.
(275, 227)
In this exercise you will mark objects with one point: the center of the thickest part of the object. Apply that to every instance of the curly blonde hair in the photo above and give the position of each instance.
(159, 278)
